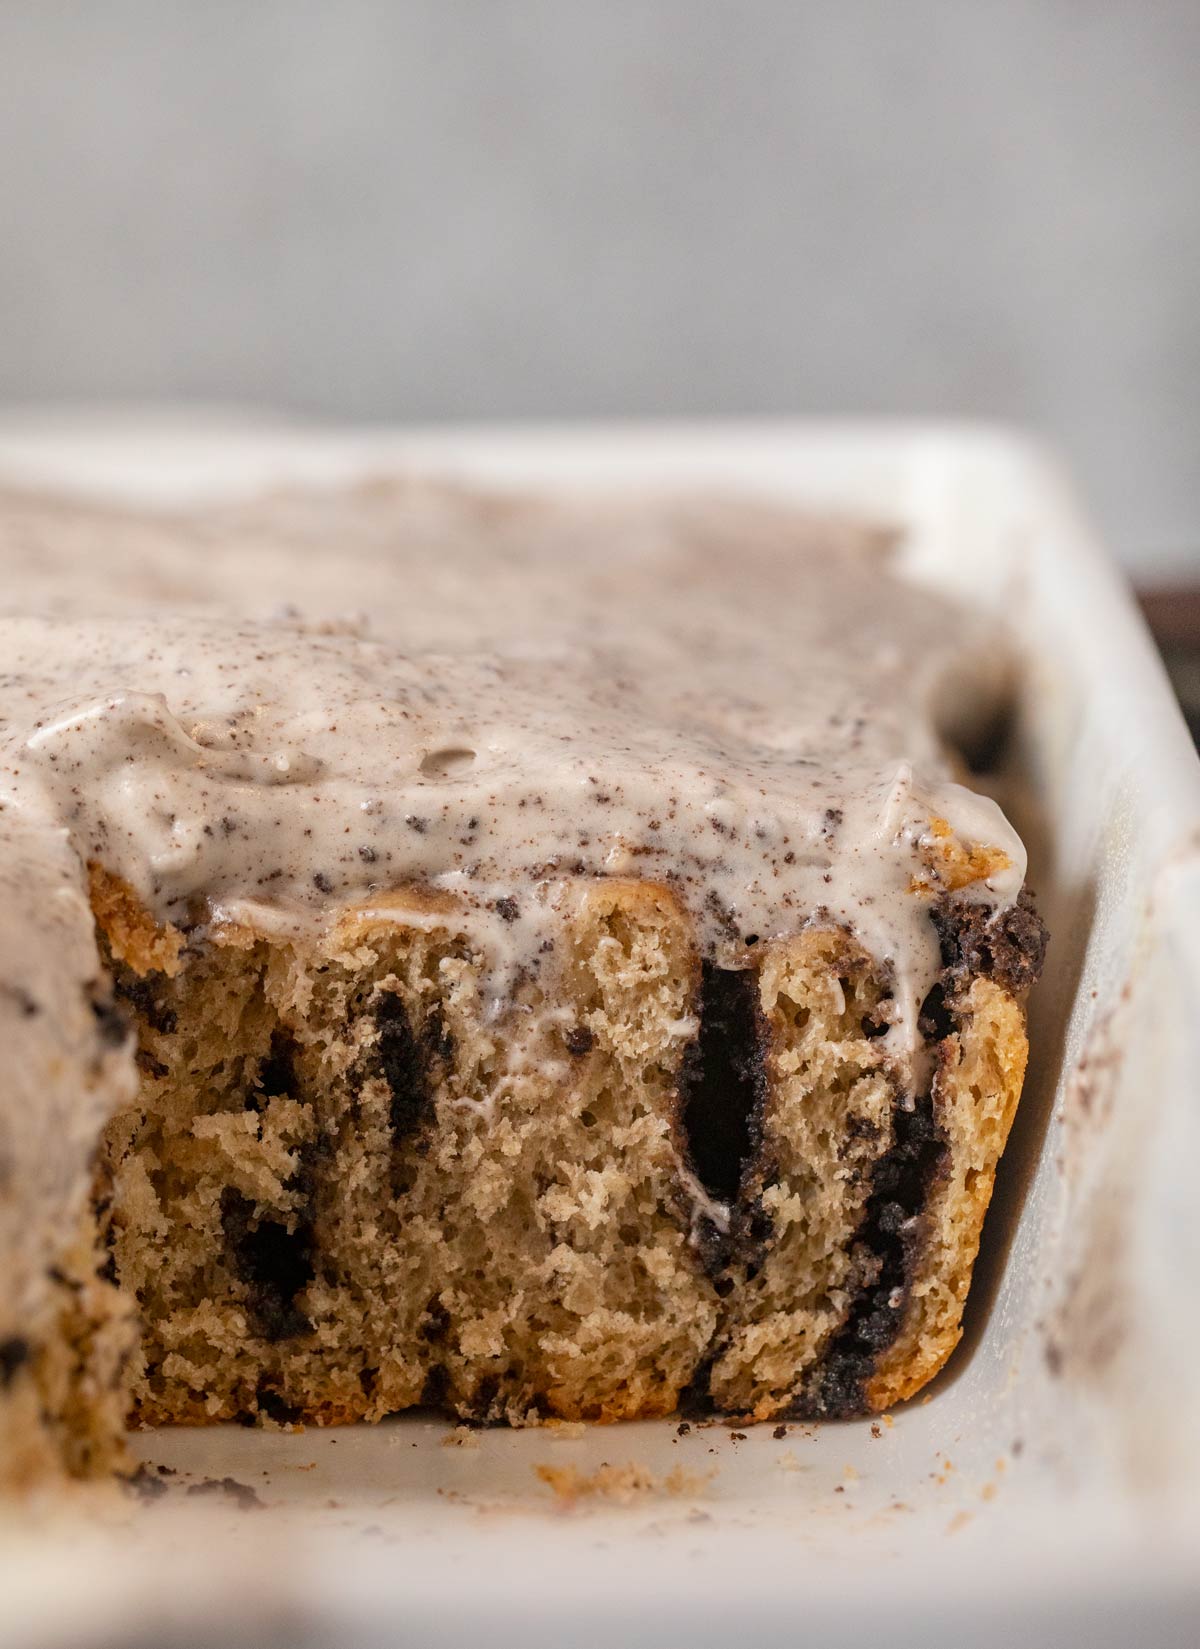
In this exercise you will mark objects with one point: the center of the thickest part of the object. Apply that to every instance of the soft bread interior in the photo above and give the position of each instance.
(346, 1189)
(350, 1185)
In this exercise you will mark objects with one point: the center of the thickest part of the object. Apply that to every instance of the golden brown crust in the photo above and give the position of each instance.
(980, 1071)
(133, 935)
(955, 864)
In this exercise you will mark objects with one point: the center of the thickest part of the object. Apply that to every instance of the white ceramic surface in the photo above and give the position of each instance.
(1049, 1485)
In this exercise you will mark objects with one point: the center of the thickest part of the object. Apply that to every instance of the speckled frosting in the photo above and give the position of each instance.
(269, 709)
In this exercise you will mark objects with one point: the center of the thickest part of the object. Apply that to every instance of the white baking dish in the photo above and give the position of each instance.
(1050, 1484)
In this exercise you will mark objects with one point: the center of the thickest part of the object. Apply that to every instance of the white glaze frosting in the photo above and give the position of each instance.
(279, 706)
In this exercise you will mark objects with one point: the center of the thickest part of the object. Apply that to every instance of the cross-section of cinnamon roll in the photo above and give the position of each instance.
(580, 982)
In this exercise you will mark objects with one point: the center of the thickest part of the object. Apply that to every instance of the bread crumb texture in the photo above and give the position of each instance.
(346, 1187)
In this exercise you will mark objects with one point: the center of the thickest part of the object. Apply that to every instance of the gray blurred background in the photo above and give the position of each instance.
(440, 209)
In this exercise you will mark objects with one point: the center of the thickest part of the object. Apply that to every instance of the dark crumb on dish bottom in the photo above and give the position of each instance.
(242, 1494)
(145, 1483)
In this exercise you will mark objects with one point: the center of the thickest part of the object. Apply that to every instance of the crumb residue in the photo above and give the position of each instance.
(622, 1484)
(462, 1437)
(564, 1431)
(145, 1483)
(240, 1493)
